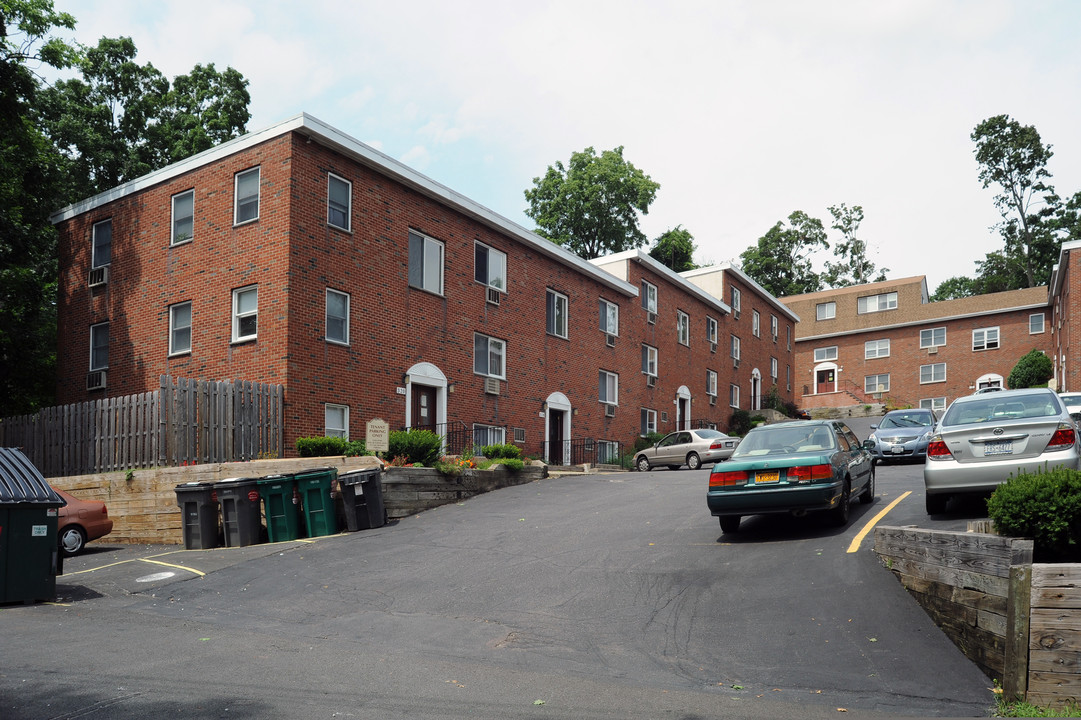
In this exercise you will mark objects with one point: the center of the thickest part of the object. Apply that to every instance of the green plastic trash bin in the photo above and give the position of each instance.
(199, 515)
(280, 506)
(315, 488)
(362, 496)
(30, 556)
(241, 513)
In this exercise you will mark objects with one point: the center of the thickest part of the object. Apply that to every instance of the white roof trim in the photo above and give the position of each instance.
(638, 255)
(328, 136)
(928, 322)
(732, 267)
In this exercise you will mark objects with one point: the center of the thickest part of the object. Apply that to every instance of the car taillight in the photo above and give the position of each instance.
(728, 478)
(809, 473)
(937, 450)
(1063, 438)
(718, 445)
(104, 510)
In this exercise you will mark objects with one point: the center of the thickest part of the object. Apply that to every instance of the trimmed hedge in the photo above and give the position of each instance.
(329, 446)
(416, 446)
(494, 452)
(1044, 506)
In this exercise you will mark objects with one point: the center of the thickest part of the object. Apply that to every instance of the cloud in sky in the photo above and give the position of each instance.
(743, 111)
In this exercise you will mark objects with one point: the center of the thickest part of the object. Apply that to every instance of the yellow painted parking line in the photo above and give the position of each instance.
(100, 567)
(200, 573)
(855, 545)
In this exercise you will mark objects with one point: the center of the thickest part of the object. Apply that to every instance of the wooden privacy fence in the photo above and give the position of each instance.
(184, 421)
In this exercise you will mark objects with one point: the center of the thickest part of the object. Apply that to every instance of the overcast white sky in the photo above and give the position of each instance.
(743, 111)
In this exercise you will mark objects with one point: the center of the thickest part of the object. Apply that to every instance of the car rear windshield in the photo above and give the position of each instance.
(907, 420)
(781, 439)
(995, 407)
(709, 434)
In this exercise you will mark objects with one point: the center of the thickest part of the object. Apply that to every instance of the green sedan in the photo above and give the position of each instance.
(792, 467)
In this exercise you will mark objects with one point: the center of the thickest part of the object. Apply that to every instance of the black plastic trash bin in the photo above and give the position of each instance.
(362, 496)
(199, 511)
(241, 511)
(315, 487)
(30, 556)
(280, 505)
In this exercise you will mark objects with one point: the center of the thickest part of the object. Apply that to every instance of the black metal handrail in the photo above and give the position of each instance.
(580, 451)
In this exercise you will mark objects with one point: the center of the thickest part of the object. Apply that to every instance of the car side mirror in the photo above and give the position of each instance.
(874, 427)
(869, 443)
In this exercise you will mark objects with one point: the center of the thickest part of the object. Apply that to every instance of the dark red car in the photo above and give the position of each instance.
(81, 521)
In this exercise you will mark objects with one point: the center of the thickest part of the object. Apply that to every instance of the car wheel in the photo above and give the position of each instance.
(936, 504)
(868, 495)
(693, 461)
(839, 515)
(729, 523)
(72, 540)
(643, 463)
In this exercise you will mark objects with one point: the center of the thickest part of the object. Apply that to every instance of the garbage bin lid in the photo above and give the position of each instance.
(236, 479)
(21, 482)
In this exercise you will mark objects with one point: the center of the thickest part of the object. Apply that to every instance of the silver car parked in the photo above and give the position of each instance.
(687, 447)
(982, 440)
(902, 434)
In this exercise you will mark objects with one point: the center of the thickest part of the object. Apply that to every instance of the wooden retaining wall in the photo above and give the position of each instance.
(1054, 661)
(142, 503)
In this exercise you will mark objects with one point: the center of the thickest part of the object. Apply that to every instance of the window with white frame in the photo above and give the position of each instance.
(773, 365)
(935, 404)
(985, 339)
(711, 383)
(736, 300)
(183, 217)
(337, 317)
(425, 263)
(608, 452)
(756, 323)
(608, 392)
(711, 330)
(490, 267)
(488, 435)
(336, 420)
(99, 346)
(683, 328)
(648, 422)
(245, 313)
(556, 313)
(932, 337)
(788, 328)
(876, 383)
(609, 317)
(733, 395)
(649, 360)
(876, 303)
(1035, 323)
(649, 297)
(246, 192)
(825, 354)
(180, 328)
(773, 326)
(488, 356)
(735, 348)
(876, 349)
(339, 202)
(788, 376)
(935, 372)
(825, 311)
(101, 243)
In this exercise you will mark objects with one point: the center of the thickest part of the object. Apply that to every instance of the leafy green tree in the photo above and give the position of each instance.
(121, 120)
(29, 192)
(591, 206)
(1013, 158)
(1034, 369)
(780, 260)
(853, 267)
(954, 288)
(675, 248)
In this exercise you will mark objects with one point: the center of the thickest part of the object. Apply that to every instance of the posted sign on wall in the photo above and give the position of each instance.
(377, 436)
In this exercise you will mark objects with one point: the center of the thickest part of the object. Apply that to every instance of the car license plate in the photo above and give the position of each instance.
(1000, 447)
(764, 478)
(897, 449)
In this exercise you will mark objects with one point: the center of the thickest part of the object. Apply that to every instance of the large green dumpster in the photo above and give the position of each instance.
(241, 518)
(315, 486)
(199, 515)
(29, 552)
(280, 506)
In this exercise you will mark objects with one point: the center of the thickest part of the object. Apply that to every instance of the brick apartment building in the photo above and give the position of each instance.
(298, 255)
(886, 341)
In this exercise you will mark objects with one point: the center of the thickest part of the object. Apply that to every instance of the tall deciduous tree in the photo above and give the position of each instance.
(780, 260)
(29, 192)
(592, 205)
(1013, 158)
(852, 267)
(675, 248)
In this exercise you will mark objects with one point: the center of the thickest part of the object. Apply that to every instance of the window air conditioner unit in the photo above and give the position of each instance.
(712, 400)
(609, 410)
(98, 276)
(493, 296)
(933, 350)
(735, 362)
(651, 318)
(775, 337)
(713, 347)
(735, 314)
(491, 386)
(95, 380)
(610, 340)
(651, 380)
